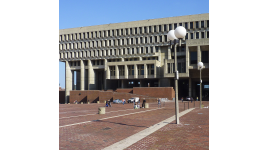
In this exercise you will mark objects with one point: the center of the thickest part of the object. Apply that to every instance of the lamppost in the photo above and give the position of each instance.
(172, 35)
(200, 66)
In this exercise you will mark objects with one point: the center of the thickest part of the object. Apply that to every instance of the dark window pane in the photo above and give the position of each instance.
(196, 24)
(193, 57)
(197, 35)
(202, 24)
(186, 25)
(205, 56)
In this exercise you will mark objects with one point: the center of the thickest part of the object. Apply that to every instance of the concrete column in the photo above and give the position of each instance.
(140, 58)
(116, 72)
(91, 75)
(190, 87)
(165, 67)
(105, 73)
(68, 81)
(135, 71)
(155, 71)
(126, 72)
(145, 71)
(169, 52)
(82, 74)
(187, 59)
(198, 55)
(122, 84)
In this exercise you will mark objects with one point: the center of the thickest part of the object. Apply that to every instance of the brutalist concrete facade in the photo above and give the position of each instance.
(136, 54)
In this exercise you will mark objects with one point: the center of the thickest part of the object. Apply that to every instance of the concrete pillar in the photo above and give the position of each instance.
(68, 81)
(82, 70)
(155, 71)
(91, 75)
(169, 52)
(122, 84)
(135, 71)
(126, 72)
(116, 72)
(145, 71)
(198, 55)
(190, 87)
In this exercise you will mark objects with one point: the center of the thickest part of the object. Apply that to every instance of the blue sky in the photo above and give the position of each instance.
(95, 12)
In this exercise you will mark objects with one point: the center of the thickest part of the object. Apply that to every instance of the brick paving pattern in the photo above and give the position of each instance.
(101, 132)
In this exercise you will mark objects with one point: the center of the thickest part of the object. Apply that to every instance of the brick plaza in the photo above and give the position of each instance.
(81, 127)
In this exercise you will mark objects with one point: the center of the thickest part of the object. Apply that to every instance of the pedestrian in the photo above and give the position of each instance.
(143, 103)
(106, 104)
(159, 102)
(191, 99)
(134, 104)
(109, 103)
(123, 101)
(182, 99)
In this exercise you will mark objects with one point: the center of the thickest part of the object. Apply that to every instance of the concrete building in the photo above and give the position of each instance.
(136, 54)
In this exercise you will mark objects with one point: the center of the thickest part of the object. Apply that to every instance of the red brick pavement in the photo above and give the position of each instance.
(102, 133)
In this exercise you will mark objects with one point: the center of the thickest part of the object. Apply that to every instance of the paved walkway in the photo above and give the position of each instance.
(82, 128)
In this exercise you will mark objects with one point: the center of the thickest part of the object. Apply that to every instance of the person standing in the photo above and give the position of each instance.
(182, 99)
(159, 103)
(123, 101)
(143, 103)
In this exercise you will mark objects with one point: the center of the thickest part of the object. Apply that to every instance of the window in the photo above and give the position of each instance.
(207, 34)
(150, 29)
(180, 24)
(132, 50)
(160, 28)
(160, 38)
(205, 56)
(207, 23)
(170, 27)
(112, 32)
(151, 39)
(121, 31)
(126, 31)
(121, 70)
(192, 36)
(131, 40)
(140, 39)
(140, 69)
(122, 41)
(92, 34)
(193, 57)
(79, 36)
(202, 24)
(152, 49)
(165, 27)
(136, 40)
(197, 35)
(145, 39)
(186, 25)
(175, 26)
(165, 38)
(147, 50)
(115, 52)
(117, 31)
(145, 30)
(191, 25)
(87, 34)
(141, 49)
(137, 50)
(135, 30)
(130, 30)
(197, 24)
(202, 35)
(96, 35)
(112, 70)
(140, 28)
(128, 51)
(155, 39)
(150, 69)
(154, 28)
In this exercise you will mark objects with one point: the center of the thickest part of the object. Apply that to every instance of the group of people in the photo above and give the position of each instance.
(190, 99)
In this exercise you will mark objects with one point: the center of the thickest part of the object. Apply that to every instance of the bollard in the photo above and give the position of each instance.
(105, 102)
(188, 105)
(81, 102)
(98, 102)
(68, 103)
(146, 105)
(101, 110)
(88, 102)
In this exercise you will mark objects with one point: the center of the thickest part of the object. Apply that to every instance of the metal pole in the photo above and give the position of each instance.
(188, 105)
(176, 84)
(200, 90)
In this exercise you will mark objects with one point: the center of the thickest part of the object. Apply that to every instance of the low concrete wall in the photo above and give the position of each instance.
(158, 92)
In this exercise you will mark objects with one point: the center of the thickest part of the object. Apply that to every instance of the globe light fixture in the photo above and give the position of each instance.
(173, 35)
(180, 32)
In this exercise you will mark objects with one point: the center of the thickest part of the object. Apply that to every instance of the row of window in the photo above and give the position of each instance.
(130, 68)
(129, 41)
(117, 42)
(124, 51)
(135, 30)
